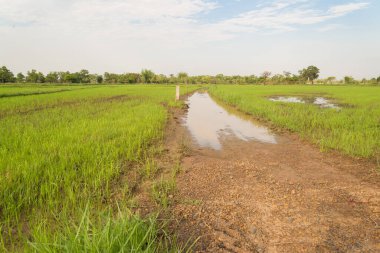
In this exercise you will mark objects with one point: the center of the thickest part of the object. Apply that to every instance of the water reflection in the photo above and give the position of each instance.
(208, 123)
(287, 99)
(319, 101)
(324, 103)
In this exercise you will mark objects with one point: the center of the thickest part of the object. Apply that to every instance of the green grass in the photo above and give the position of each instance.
(163, 190)
(61, 152)
(107, 233)
(354, 130)
(26, 90)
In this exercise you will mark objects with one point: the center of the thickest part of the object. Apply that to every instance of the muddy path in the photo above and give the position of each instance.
(250, 190)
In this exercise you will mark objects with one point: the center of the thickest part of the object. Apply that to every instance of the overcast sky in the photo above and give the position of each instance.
(341, 37)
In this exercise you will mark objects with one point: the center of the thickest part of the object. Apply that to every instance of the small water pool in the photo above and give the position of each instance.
(209, 123)
(319, 101)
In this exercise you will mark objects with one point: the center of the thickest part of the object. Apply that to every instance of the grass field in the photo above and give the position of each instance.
(353, 130)
(62, 159)
(65, 152)
(27, 90)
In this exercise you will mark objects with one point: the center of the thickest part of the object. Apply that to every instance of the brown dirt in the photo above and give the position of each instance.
(289, 197)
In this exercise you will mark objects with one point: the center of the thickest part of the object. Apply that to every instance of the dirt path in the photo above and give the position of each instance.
(289, 197)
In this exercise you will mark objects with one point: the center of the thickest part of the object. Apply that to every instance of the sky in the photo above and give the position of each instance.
(233, 37)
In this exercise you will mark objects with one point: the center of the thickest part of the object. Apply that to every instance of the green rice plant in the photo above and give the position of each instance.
(176, 169)
(150, 168)
(59, 150)
(26, 90)
(353, 130)
(163, 190)
(104, 233)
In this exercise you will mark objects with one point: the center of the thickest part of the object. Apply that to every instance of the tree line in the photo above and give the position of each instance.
(306, 75)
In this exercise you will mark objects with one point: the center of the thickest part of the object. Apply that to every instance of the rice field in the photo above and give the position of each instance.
(66, 151)
(354, 129)
(26, 90)
(61, 152)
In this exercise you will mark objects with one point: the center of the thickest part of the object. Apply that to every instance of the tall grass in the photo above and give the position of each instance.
(104, 233)
(59, 151)
(353, 130)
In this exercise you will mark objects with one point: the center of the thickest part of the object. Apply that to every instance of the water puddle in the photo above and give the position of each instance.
(324, 103)
(319, 101)
(287, 100)
(209, 123)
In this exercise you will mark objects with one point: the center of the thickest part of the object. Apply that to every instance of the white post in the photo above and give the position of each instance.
(177, 93)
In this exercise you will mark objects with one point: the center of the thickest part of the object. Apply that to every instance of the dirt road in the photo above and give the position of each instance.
(252, 196)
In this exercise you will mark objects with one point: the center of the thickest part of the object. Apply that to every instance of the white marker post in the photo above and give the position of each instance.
(177, 93)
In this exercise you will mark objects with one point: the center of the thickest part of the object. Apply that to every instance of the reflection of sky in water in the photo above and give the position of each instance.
(324, 103)
(320, 101)
(288, 99)
(208, 122)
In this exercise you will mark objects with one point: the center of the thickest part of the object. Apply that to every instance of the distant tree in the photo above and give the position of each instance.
(252, 79)
(99, 79)
(331, 79)
(35, 77)
(378, 79)
(160, 79)
(134, 78)
(265, 76)
(278, 79)
(62, 77)
(20, 78)
(183, 76)
(219, 78)
(72, 77)
(349, 80)
(32, 76)
(147, 75)
(83, 76)
(310, 73)
(111, 78)
(290, 78)
(52, 77)
(6, 76)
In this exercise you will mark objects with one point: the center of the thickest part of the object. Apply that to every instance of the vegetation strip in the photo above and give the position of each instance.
(58, 168)
(354, 130)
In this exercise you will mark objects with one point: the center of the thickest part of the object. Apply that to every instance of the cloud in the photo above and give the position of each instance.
(286, 16)
(331, 27)
(84, 12)
(170, 21)
(344, 9)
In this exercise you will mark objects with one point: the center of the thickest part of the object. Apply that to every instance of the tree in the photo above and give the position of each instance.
(349, 80)
(83, 76)
(265, 75)
(35, 77)
(133, 77)
(52, 77)
(147, 75)
(6, 76)
(378, 79)
(310, 73)
(331, 79)
(99, 79)
(20, 78)
(183, 76)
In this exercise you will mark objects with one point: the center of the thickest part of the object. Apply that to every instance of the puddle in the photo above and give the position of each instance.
(209, 123)
(319, 101)
(287, 99)
(324, 103)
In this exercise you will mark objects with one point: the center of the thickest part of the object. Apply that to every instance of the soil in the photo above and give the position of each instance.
(289, 197)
